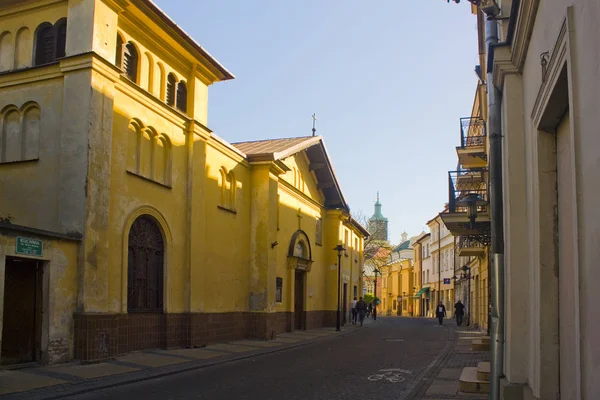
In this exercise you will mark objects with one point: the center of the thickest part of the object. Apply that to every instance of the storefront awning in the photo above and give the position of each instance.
(420, 292)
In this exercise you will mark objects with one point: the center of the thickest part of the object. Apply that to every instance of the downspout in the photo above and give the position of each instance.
(496, 214)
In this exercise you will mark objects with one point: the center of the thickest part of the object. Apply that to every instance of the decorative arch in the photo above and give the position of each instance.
(163, 226)
(19, 132)
(228, 187)
(149, 61)
(295, 259)
(30, 131)
(119, 50)
(162, 159)
(23, 46)
(6, 51)
(161, 80)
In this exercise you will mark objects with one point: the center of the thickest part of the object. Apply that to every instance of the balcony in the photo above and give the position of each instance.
(471, 246)
(472, 152)
(465, 184)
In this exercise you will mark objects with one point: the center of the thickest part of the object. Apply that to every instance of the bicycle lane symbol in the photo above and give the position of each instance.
(392, 375)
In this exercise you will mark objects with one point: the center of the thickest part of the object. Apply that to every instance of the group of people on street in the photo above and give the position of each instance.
(459, 312)
(360, 309)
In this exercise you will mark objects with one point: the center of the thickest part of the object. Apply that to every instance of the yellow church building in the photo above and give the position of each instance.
(125, 222)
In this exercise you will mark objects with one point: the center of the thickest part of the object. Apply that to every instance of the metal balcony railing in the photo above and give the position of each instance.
(460, 183)
(472, 132)
(468, 242)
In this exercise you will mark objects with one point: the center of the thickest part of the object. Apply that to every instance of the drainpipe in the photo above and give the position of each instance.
(496, 214)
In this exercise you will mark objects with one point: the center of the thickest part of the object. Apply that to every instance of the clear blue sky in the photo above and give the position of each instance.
(388, 80)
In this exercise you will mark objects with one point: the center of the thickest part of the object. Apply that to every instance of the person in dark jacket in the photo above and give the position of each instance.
(459, 311)
(440, 312)
(361, 308)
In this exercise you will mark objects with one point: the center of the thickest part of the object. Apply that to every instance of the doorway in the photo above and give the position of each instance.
(21, 331)
(299, 319)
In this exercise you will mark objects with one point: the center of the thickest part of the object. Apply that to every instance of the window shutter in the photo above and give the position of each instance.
(171, 90)
(61, 39)
(44, 52)
(130, 61)
(182, 97)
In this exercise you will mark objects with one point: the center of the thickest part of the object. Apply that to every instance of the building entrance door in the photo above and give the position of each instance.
(21, 331)
(299, 319)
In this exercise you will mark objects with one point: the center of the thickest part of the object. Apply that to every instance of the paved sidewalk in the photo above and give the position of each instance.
(442, 380)
(57, 381)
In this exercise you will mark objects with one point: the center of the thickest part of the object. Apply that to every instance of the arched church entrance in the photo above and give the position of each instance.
(300, 261)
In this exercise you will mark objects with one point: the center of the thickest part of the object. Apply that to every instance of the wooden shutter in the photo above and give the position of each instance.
(61, 38)
(45, 43)
(171, 90)
(130, 61)
(182, 97)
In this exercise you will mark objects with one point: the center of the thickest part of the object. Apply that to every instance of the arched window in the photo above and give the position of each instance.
(130, 61)
(145, 266)
(182, 96)
(44, 44)
(171, 81)
(50, 42)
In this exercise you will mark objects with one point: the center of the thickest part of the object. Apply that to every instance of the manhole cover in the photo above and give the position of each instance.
(393, 340)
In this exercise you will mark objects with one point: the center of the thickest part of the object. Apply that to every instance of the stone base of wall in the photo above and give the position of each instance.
(101, 336)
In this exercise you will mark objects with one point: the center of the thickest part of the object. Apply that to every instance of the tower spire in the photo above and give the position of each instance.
(314, 129)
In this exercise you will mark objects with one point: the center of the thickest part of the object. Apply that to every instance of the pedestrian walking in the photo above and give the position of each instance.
(440, 311)
(370, 310)
(353, 310)
(459, 311)
(361, 308)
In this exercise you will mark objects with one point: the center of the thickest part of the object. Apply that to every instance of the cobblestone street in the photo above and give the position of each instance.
(393, 358)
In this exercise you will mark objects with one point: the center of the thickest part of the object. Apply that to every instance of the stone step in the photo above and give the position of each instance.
(479, 345)
(483, 371)
(469, 383)
(486, 339)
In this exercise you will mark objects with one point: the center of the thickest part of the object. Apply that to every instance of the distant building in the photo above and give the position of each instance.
(378, 224)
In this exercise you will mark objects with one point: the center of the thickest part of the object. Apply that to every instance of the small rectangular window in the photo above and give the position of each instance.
(279, 290)
(319, 232)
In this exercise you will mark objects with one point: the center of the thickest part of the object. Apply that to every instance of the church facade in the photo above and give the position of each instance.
(125, 222)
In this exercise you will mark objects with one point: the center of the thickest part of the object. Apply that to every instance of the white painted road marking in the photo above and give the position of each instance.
(392, 375)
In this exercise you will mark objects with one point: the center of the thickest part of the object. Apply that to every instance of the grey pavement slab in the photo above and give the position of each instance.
(150, 359)
(257, 343)
(90, 371)
(18, 381)
(229, 348)
(190, 353)
(443, 387)
(450, 373)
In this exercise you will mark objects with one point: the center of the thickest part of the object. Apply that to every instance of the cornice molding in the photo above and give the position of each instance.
(557, 60)
(523, 30)
(29, 75)
(117, 5)
(503, 65)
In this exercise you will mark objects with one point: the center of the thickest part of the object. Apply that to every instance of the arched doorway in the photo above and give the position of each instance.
(145, 263)
(300, 260)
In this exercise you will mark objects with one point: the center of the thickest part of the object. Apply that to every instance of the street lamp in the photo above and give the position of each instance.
(467, 272)
(340, 249)
(471, 201)
(489, 7)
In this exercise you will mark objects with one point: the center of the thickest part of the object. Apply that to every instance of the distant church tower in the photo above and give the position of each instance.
(378, 224)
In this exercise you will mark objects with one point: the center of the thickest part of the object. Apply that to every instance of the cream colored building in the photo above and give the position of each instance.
(546, 68)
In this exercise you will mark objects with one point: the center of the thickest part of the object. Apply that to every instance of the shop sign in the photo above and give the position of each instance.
(446, 281)
(29, 247)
